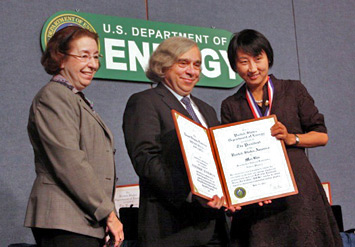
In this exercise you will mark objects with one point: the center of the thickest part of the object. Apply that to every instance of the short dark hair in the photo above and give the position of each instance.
(60, 44)
(251, 42)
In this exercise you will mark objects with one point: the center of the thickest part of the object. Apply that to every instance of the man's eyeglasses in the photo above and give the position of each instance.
(86, 57)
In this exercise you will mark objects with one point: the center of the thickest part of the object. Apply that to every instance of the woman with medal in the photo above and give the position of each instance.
(301, 220)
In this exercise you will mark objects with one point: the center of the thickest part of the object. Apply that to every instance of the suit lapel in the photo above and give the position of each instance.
(170, 100)
(96, 117)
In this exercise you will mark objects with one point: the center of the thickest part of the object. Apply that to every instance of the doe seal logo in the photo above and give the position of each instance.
(61, 21)
(240, 192)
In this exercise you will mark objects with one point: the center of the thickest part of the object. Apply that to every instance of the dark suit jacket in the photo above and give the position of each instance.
(165, 217)
(74, 161)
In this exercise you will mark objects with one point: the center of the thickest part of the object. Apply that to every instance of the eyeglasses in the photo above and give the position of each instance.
(86, 57)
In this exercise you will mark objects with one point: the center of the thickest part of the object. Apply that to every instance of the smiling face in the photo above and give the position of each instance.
(80, 73)
(253, 69)
(185, 73)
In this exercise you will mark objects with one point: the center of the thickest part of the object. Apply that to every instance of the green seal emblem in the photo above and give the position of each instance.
(62, 21)
(240, 192)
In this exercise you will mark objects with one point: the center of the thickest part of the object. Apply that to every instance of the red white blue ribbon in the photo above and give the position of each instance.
(254, 106)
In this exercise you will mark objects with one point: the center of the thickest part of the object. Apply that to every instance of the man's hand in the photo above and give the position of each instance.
(216, 202)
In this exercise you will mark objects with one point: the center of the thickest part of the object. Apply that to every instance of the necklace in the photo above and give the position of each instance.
(259, 101)
(268, 103)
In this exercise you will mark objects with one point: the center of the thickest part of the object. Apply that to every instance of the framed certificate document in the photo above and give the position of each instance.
(126, 196)
(240, 161)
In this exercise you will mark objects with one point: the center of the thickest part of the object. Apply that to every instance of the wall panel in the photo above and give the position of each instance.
(326, 51)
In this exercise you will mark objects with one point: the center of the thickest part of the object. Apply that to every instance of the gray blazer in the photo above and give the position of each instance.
(74, 160)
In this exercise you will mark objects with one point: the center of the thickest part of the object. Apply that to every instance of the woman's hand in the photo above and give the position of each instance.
(279, 131)
(114, 229)
(306, 140)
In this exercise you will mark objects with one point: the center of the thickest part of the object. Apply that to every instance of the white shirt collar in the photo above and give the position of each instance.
(194, 106)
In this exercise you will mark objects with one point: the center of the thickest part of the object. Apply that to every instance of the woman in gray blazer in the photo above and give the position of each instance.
(71, 203)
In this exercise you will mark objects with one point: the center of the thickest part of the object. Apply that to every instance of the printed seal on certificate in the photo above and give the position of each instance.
(240, 192)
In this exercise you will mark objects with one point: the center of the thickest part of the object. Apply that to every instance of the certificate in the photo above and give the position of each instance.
(126, 196)
(240, 161)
